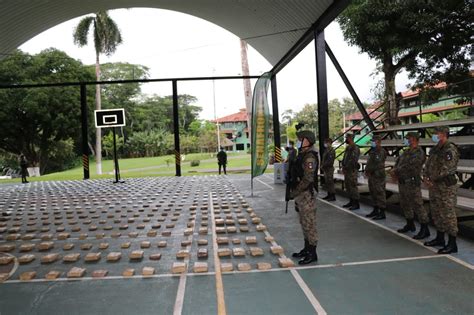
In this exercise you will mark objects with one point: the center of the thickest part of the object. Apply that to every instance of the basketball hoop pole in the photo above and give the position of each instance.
(117, 171)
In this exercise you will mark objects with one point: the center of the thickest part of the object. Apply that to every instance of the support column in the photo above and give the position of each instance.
(177, 153)
(348, 84)
(322, 87)
(276, 120)
(85, 146)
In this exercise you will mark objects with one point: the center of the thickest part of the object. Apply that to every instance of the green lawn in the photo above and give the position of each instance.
(152, 166)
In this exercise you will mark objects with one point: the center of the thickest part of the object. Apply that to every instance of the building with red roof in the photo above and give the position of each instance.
(236, 130)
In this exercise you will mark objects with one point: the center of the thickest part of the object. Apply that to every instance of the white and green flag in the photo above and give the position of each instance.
(260, 125)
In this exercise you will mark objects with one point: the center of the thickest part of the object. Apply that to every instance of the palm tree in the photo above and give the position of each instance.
(106, 39)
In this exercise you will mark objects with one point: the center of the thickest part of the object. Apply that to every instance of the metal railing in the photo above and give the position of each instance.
(357, 124)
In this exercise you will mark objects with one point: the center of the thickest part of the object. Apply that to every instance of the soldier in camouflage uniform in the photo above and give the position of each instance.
(303, 192)
(350, 169)
(440, 177)
(327, 168)
(407, 172)
(375, 171)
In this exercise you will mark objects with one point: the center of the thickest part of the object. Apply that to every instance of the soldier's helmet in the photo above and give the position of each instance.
(308, 135)
(412, 134)
(443, 129)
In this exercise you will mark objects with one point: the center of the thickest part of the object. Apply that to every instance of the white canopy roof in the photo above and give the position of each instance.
(272, 27)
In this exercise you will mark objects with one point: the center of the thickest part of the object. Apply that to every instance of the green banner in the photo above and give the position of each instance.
(260, 125)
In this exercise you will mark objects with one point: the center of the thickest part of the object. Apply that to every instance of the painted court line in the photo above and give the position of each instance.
(272, 188)
(457, 260)
(15, 266)
(221, 309)
(304, 287)
(309, 294)
(178, 305)
(169, 275)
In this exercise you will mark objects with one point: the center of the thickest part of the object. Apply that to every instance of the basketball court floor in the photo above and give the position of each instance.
(204, 245)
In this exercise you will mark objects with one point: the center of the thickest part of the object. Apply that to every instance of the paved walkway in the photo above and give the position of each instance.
(364, 267)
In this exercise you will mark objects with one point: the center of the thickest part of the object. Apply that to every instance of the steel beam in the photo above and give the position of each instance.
(348, 84)
(324, 20)
(84, 127)
(322, 88)
(276, 120)
(177, 152)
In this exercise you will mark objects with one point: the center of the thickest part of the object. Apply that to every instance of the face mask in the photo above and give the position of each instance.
(299, 144)
(373, 144)
(435, 138)
(406, 142)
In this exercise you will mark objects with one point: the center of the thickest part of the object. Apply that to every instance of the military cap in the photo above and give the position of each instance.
(376, 137)
(444, 129)
(306, 134)
(412, 134)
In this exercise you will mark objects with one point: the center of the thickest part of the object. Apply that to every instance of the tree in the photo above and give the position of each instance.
(106, 39)
(309, 116)
(41, 122)
(432, 40)
(122, 95)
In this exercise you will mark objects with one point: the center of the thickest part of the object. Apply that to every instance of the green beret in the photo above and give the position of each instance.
(443, 129)
(413, 135)
(307, 134)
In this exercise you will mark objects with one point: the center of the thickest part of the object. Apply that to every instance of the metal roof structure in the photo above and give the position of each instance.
(272, 27)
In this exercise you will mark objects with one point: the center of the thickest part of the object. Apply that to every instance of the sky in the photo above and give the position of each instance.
(180, 45)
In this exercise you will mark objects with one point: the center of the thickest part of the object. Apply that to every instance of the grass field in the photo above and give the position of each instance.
(152, 166)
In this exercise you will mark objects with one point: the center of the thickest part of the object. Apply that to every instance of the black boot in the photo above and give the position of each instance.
(423, 233)
(373, 213)
(349, 204)
(303, 252)
(410, 226)
(310, 256)
(380, 216)
(452, 247)
(327, 197)
(355, 205)
(332, 197)
(438, 241)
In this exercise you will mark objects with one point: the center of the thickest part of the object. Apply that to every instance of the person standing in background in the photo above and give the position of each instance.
(407, 171)
(327, 168)
(350, 169)
(440, 177)
(375, 172)
(24, 168)
(222, 161)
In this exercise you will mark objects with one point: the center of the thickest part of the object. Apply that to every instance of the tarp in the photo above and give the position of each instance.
(260, 125)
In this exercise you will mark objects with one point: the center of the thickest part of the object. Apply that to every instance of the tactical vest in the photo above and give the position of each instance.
(299, 170)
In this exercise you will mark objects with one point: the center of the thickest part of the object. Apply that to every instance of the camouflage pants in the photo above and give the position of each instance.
(306, 203)
(377, 191)
(329, 180)
(412, 202)
(350, 181)
(442, 203)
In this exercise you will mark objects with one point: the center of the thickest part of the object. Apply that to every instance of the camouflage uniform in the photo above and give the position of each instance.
(408, 168)
(327, 166)
(375, 170)
(350, 167)
(305, 199)
(440, 169)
